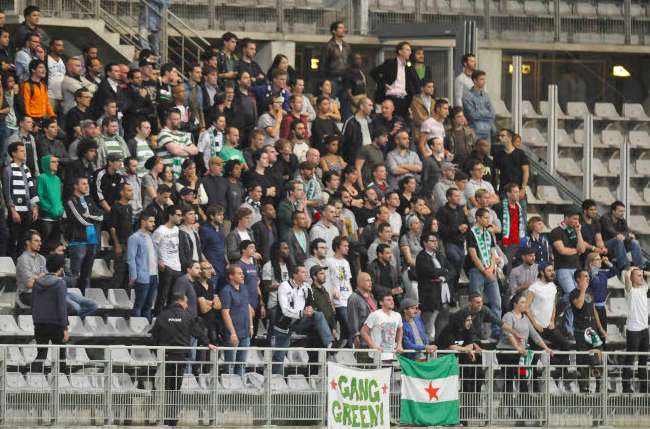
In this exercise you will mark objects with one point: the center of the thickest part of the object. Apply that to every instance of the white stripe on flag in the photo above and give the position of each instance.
(430, 391)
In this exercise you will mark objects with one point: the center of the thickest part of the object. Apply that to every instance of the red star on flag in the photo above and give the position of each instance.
(384, 388)
(333, 384)
(432, 391)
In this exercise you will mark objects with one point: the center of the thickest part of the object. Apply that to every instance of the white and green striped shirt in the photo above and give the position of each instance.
(143, 153)
(182, 139)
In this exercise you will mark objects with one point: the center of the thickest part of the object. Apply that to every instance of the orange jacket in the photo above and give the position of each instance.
(37, 103)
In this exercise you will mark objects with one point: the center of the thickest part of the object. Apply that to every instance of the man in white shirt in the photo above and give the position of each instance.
(166, 240)
(55, 74)
(636, 329)
(326, 228)
(541, 313)
(476, 182)
(463, 82)
(382, 330)
(435, 125)
(339, 276)
(297, 315)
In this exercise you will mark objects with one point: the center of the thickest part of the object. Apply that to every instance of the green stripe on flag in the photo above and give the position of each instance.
(436, 368)
(423, 414)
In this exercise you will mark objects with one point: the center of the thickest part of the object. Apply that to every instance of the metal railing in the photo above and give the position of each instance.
(141, 385)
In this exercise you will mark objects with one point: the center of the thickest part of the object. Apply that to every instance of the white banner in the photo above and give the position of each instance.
(357, 398)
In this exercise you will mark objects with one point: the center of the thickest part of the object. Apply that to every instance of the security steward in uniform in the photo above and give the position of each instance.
(175, 327)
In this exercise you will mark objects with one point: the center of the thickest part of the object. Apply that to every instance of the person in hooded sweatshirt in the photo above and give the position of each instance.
(49, 311)
(51, 200)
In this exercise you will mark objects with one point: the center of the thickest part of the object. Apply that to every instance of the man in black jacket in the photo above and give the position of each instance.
(266, 231)
(433, 272)
(384, 274)
(108, 89)
(397, 80)
(175, 327)
(83, 218)
(244, 107)
(453, 226)
(619, 240)
(49, 310)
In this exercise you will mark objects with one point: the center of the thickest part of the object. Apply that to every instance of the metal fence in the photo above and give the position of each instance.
(91, 385)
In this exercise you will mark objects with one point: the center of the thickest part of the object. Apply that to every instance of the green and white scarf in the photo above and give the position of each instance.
(484, 242)
(506, 219)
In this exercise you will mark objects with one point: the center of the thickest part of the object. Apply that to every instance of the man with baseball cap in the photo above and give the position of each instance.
(107, 182)
(522, 276)
(321, 296)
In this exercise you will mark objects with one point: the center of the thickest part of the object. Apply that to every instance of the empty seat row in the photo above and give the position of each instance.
(114, 298)
(92, 326)
(577, 110)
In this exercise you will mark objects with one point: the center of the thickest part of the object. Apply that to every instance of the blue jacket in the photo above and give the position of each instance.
(479, 112)
(214, 247)
(598, 284)
(408, 339)
(138, 258)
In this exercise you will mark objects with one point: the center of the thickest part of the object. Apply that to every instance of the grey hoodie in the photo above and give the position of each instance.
(48, 301)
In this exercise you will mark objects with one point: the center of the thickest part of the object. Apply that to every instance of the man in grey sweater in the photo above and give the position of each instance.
(30, 266)
(360, 304)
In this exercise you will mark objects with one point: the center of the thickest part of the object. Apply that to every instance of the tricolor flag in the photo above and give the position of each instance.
(430, 392)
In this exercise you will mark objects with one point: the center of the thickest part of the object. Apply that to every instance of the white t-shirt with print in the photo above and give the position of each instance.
(383, 330)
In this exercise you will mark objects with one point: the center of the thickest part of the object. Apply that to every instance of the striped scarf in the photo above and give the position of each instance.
(484, 244)
(21, 187)
(506, 219)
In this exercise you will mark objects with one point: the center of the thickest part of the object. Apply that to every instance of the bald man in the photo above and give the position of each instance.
(360, 304)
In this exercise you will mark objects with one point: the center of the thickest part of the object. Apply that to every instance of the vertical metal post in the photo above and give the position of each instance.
(623, 187)
(97, 8)
(108, 387)
(58, 8)
(418, 10)
(3, 385)
(450, 73)
(627, 16)
(486, 19)
(363, 17)
(552, 120)
(163, 392)
(547, 394)
(515, 107)
(490, 381)
(557, 20)
(213, 387)
(587, 156)
(280, 19)
(267, 381)
(322, 357)
(211, 14)
(603, 392)
(164, 36)
(56, 365)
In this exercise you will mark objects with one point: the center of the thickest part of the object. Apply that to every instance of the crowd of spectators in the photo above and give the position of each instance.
(306, 213)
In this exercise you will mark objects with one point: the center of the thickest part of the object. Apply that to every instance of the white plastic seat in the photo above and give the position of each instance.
(614, 334)
(189, 385)
(278, 383)
(579, 136)
(118, 298)
(77, 328)
(535, 7)
(614, 163)
(30, 352)
(603, 195)
(119, 326)
(298, 383)
(612, 135)
(639, 224)
(642, 164)
(554, 220)
(564, 139)
(7, 267)
(577, 109)
(635, 197)
(544, 109)
(532, 198)
(617, 307)
(96, 325)
(62, 380)
(609, 9)
(15, 357)
(297, 357)
(76, 356)
(635, 111)
(37, 380)
(639, 136)
(514, 7)
(101, 270)
(345, 357)
(253, 358)
(26, 324)
(500, 109)
(8, 326)
(121, 356)
(551, 194)
(139, 325)
(532, 137)
(234, 383)
(143, 357)
(528, 111)
(82, 383)
(615, 283)
(568, 166)
(98, 296)
(600, 169)
(606, 111)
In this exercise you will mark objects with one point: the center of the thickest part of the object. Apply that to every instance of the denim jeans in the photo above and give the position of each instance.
(490, 290)
(316, 322)
(145, 294)
(81, 263)
(82, 306)
(567, 283)
(238, 357)
(619, 249)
